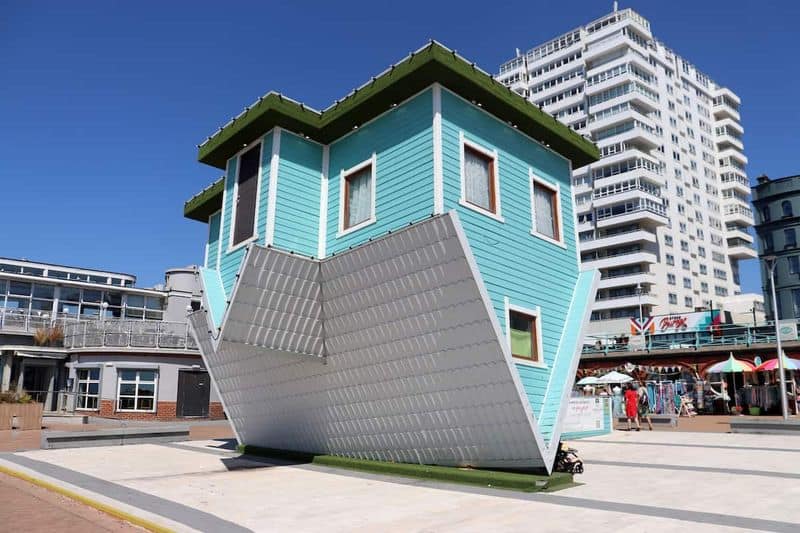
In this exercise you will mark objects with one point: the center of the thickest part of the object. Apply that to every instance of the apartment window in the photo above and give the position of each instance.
(789, 238)
(358, 192)
(524, 335)
(673, 298)
(794, 264)
(546, 209)
(246, 194)
(704, 286)
(767, 241)
(703, 269)
(765, 213)
(687, 283)
(668, 240)
(144, 307)
(786, 208)
(670, 259)
(685, 264)
(684, 246)
(479, 178)
(796, 302)
(682, 227)
(701, 251)
(671, 279)
(88, 388)
(136, 390)
(687, 301)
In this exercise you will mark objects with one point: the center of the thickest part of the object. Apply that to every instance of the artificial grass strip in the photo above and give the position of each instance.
(478, 477)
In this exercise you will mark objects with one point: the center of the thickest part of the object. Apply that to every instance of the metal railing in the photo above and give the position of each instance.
(722, 335)
(95, 332)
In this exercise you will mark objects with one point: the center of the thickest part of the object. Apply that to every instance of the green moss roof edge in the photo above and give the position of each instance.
(203, 204)
(430, 64)
(510, 480)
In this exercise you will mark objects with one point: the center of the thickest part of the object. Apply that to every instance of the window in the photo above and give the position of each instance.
(789, 238)
(545, 208)
(767, 242)
(703, 269)
(671, 279)
(523, 335)
(796, 302)
(685, 264)
(704, 286)
(137, 390)
(786, 208)
(687, 301)
(479, 178)
(245, 196)
(668, 240)
(358, 192)
(684, 246)
(701, 251)
(670, 259)
(794, 264)
(88, 388)
(687, 283)
(149, 307)
(765, 214)
(673, 298)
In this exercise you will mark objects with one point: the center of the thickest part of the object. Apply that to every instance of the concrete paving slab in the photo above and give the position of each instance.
(634, 482)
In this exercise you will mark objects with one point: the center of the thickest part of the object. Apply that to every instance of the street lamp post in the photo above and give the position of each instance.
(771, 261)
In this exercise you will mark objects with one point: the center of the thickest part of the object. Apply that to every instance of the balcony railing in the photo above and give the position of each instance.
(95, 332)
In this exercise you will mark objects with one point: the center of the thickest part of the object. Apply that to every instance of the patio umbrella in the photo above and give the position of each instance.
(588, 380)
(614, 377)
(772, 364)
(731, 365)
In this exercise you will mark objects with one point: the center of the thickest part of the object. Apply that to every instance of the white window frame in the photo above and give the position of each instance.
(533, 179)
(536, 313)
(78, 381)
(136, 394)
(343, 174)
(491, 154)
(230, 246)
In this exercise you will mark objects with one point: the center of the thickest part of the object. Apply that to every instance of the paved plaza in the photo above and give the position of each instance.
(647, 481)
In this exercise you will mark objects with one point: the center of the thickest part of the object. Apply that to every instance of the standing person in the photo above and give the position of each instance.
(644, 406)
(632, 407)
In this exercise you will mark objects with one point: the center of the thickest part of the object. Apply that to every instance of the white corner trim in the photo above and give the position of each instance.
(230, 247)
(537, 314)
(219, 235)
(323, 203)
(371, 220)
(462, 142)
(438, 172)
(272, 196)
(556, 187)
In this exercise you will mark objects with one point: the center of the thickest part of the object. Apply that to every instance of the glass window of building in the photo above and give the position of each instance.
(358, 194)
(246, 194)
(524, 338)
(136, 390)
(479, 179)
(794, 264)
(88, 388)
(786, 208)
(789, 238)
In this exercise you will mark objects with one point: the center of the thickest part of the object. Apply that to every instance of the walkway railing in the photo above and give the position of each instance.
(96, 332)
(723, 335)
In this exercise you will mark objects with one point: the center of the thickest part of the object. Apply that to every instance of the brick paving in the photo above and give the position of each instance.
(30, 508)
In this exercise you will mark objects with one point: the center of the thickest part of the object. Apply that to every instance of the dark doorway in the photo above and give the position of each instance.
(194, 387)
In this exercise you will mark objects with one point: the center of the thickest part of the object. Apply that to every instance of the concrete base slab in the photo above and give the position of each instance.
(765, 425)
(113, 437)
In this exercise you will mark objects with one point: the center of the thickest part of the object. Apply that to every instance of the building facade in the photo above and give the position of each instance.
(89, 341)
(777, 206)
(396, 277)
(665, 214)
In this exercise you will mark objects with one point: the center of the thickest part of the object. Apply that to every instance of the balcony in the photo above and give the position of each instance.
(611, 261)
(625, 192)
(631, 300)
(94, 332)
(738, 214)
(737, 232)
(736, 182)
(741, 249)
(637, 135)
(725, 140)
(620, 280)
(733, 153)
(617, 239)
(644, 212)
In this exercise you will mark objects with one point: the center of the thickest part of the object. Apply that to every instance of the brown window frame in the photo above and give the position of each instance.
(346, 195)
(535, 357)
(492, 179)
(555, 208)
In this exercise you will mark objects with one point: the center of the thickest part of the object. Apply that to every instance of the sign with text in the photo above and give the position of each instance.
(677, 323)
(584, 414)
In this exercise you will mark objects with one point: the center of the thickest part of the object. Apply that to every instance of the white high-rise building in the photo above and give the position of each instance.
(664, 215)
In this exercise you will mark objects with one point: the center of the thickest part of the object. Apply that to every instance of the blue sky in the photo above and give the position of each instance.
(103, 103)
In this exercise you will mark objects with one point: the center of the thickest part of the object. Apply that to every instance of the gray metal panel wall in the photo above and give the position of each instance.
(413, 369)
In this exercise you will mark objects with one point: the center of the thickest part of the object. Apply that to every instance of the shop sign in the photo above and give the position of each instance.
(676, 323)
(787, 330)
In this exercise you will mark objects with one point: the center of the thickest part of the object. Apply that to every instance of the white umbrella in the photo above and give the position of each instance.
(588, 380)
(614, 377)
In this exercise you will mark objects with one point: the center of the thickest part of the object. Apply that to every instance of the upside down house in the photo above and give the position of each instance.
(396, 277)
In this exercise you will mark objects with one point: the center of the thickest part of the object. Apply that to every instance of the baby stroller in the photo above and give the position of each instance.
(567, 460)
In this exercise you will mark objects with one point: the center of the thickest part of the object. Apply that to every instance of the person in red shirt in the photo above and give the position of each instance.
(632, 406)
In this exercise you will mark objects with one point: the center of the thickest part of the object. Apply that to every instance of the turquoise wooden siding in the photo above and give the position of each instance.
(403, 143)
(214, 295)
(213, 240)
(263, 193)
(297, 205)
(513, 263)
(571, 342)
